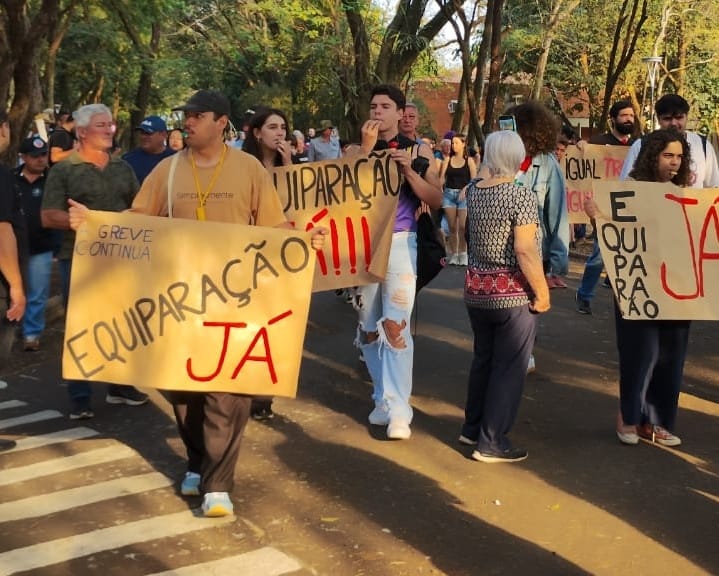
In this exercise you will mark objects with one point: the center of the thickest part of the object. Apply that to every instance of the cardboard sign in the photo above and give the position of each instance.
(355, 198)
(186, 305)
(660, 246)
(582, 169)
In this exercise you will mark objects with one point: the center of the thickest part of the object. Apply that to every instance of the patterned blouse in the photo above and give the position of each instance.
(494, 279)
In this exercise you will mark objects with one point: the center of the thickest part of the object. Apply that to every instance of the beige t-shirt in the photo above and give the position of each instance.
(243, 192)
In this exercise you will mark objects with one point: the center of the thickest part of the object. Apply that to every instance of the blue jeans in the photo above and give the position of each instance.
(386, 312)
(592, 271)
(38, 290)
(450, 199)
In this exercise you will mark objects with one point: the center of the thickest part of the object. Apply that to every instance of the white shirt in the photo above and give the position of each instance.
(704, 169)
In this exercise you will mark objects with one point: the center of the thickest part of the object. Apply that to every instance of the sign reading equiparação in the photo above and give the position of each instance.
(660, 246)
(185, 305)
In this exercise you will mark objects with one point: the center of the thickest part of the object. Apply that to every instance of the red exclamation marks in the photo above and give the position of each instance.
(351, 243)
(367, 242)
(320, 254)
(335, 246)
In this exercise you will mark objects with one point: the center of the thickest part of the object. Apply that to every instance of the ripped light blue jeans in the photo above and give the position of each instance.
(384, 334)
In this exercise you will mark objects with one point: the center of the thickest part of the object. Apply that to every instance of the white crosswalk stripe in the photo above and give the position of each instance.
(82, 477)
(29, 418)
(265, 561)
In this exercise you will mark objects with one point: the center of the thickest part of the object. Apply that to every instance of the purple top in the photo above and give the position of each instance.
(404, 220)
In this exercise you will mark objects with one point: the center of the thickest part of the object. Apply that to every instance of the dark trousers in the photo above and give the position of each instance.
(211, 426)
(651, 365)
(503, 341)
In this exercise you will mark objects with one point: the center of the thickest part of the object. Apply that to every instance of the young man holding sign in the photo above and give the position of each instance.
(384, 334)
(212, 181)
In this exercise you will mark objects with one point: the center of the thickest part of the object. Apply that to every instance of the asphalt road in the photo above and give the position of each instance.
(321, 492)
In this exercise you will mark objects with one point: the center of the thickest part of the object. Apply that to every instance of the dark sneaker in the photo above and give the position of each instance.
(466, 440)
(7, 444)
(81, 410)
(262, 414)
(508, 455)
(32, 344)
(583, 306)
(126, 395)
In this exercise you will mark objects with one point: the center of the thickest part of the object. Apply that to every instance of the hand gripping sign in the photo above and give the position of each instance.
(660, 246)
(186, 305)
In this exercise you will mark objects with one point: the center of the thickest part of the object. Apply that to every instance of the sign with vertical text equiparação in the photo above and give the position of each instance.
(584, 167)
(185, 305)
(660, 246)
(355, 198)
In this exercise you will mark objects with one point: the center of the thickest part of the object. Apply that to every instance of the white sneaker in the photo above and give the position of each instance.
(531, 365)
(379, 416)
(462, 259)
(398, 430)
(453, 260)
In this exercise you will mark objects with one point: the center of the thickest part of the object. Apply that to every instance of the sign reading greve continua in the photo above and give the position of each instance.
(583, 168)
(355, 198)
(660, 245)
(186, 305)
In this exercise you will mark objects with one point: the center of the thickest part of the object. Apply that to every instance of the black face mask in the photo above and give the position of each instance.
(626, 128)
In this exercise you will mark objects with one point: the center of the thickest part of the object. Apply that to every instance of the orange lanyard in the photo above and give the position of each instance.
(202, 196)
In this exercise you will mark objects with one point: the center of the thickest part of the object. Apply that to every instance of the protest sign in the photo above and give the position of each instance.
(355, 198)
(582, 168)
(660, 246)
(186, 305)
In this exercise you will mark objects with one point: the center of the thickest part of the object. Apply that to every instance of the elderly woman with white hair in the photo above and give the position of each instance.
(504, 289)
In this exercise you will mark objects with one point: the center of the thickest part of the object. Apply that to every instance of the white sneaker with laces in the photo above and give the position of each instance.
(379, 416)
(398, 430)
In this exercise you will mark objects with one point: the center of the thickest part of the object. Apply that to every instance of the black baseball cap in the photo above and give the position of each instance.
(207, 101)
(33, 146)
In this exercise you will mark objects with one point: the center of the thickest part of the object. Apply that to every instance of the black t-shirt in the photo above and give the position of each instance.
(610, 139)
(39, 239)
(11, 211)
(60, 138)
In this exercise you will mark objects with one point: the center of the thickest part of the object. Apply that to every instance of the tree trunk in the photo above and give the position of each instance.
(495, 65)
(556, 18)
(21, 32)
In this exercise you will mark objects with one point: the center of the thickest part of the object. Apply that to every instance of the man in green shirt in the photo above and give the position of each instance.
(93, 177)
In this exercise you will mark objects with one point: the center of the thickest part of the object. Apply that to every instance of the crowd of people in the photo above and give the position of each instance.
(503, 210)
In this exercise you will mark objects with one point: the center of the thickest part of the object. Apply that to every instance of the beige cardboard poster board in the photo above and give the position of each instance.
(582, 168)
(355, 198)
(660, 246)
(186, 305)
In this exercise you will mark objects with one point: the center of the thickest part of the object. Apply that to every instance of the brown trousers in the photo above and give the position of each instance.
(211, 426)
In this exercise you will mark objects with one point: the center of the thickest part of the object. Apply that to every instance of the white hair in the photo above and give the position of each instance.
(84, 114)
(297, 134)
(504, 152)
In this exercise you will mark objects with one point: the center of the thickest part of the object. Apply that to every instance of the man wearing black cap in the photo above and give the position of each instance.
(212, 181)
(152, 149)
(12, 251)
(29, 183)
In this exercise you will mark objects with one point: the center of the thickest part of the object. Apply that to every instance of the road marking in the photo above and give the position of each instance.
(29, 418)
(79, 545)
(66, 499)
(90, 458)
(266, 561)
(53, 438)
(12, 404)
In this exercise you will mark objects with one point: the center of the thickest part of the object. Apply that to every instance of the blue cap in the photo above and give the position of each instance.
(152, 124)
